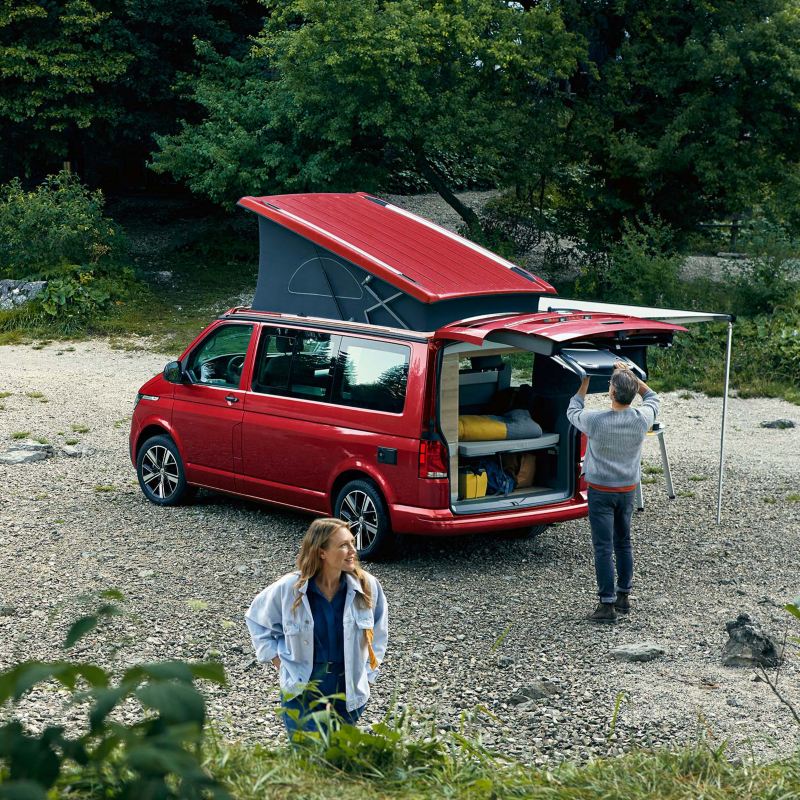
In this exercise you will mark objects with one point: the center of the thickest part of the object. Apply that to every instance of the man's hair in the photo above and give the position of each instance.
(625, 385)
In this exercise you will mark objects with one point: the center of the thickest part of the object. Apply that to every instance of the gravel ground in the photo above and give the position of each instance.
(472, 619)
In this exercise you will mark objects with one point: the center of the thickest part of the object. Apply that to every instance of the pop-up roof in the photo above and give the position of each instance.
(355, 257)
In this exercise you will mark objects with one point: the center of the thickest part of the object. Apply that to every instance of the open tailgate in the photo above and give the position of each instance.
(549, 333)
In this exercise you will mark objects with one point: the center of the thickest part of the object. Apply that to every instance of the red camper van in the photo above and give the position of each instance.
(388, 372)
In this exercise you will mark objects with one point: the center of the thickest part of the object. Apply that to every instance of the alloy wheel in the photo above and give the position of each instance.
(359, 511)
(160, 471)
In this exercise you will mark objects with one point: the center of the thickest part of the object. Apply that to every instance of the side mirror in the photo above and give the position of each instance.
(173, 372)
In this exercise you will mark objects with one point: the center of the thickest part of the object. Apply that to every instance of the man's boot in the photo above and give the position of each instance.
(623, 604)
(604, 613)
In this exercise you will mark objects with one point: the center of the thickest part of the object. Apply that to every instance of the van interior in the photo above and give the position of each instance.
(485, 385)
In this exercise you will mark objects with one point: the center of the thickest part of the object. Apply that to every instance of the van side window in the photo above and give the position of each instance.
(219, 358)
(294, 363)
(371, 375)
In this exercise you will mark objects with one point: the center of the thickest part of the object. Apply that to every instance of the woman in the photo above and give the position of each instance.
(323, 627)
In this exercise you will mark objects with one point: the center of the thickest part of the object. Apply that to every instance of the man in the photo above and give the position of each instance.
(612, 468)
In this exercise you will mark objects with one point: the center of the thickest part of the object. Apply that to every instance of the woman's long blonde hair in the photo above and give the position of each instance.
(309, 561)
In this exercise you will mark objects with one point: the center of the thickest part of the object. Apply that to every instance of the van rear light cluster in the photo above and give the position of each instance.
(432, 459)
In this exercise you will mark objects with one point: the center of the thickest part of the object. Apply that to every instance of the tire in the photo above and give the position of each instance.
(159, 468)
(530, 533)
(360, 504)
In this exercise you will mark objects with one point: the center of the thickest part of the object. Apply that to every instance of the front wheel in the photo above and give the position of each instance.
(361, 506)
(159, 468)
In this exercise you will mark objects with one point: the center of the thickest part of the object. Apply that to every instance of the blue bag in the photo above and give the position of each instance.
(498, 480)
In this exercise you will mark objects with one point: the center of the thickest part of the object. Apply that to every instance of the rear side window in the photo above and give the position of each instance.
(371, 375)
(295, 363)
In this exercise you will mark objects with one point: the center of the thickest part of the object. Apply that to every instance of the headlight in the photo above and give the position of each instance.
(140, 396)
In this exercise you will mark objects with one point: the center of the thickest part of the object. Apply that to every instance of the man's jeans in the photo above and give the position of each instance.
(610, 517)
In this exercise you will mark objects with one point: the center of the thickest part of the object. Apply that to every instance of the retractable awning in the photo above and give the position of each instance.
(675, 316)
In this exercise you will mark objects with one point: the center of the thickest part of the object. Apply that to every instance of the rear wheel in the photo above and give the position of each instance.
(159, 468)
(361, 506)
(532, 532)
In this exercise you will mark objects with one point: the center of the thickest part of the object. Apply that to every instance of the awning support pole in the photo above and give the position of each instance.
(724, 418)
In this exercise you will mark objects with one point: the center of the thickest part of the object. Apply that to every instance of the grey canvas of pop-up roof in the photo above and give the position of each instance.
(357, 258)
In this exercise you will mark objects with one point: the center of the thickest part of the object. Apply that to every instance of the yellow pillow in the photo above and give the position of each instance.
(480, 428)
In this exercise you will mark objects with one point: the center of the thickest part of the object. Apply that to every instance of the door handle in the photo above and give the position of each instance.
(232, 399)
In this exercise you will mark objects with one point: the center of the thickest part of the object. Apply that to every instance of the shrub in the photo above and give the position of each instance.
(57, 232)
(640, 269)
(59, 222)
(769, 277)
(156, 756)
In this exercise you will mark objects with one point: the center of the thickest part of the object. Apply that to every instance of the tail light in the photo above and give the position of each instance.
(432, 459)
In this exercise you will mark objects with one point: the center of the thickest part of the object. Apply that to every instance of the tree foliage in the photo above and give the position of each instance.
(92, 80)
(335, 93)
(54, 58)
(689, 109)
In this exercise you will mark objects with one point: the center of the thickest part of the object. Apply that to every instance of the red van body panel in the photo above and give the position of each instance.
(294, 452)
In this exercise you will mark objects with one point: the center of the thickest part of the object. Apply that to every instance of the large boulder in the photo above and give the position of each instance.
(749, 645)
(638, 651)
(22, 456)
(15, 293)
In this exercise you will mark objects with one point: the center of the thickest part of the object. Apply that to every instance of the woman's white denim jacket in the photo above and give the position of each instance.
(277, 630)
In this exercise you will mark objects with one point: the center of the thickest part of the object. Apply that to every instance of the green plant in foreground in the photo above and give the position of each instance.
(20, 434)
(793, 497)
(155, 757)
(80, 428)
(3, 395)
(71, 441)
(105, 487)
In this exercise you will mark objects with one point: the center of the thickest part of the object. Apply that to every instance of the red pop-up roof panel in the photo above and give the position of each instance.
(412, 254)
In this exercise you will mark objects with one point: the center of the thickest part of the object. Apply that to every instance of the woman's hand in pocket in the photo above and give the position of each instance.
(276, 662)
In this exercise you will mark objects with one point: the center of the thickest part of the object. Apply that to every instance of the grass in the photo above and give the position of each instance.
(34, 395)
(77, 428)
(3, 395)
(697, 362)
(698, 478)
(20, 434)
(41, 440)
(793, 497)
(650, 479)
(685, 493)
(394, 769)
(71, 441)
(105, 487)
(652, 469)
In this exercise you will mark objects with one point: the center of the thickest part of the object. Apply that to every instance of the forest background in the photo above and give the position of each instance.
(619, 136)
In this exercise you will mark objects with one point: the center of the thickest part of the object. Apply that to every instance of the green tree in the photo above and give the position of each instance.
(91, 81)
(338, 92)
(689, 109)
(54, 57)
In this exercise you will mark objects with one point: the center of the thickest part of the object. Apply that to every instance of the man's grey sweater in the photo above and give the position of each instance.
(614, 452)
